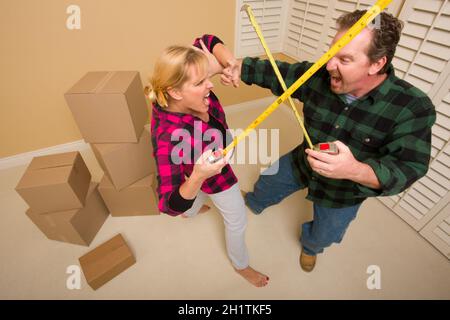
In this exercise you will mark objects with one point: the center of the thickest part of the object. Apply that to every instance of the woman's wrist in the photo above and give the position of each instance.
(223, 55)
(189, 189)
(196, 179)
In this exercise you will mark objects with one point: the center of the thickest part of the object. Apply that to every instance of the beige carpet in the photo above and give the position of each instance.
(186, 259)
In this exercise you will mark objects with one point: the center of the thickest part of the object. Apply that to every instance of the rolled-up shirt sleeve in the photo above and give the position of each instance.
(209, 40)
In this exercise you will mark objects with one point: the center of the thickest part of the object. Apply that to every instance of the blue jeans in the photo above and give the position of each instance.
(328, 225)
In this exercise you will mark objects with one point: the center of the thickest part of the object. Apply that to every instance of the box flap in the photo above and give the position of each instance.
(147, 181)
(119, 82)
(99, 267)
(88, 83)
(53, 160)
(103, 250)
(103, 82)
(51, 176)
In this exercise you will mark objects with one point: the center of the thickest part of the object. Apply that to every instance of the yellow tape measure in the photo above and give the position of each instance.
(255, 25)
(346, 38)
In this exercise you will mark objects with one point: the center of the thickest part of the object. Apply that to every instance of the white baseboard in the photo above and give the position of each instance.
(25, 158)
(80, 145)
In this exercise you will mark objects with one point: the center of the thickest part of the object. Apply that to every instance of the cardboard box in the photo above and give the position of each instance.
(109, 107)
(126, 163)
(106, 261)
(136, 200)
(77, 226)
(55, 182)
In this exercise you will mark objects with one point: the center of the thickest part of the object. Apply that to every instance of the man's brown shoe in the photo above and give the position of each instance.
(307, 262)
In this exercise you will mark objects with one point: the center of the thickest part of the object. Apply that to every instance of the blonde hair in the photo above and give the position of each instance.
(171, 71)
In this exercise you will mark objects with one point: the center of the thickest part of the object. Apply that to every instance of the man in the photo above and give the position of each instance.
(380, 124)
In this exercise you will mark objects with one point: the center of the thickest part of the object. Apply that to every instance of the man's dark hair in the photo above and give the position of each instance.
(385, 37)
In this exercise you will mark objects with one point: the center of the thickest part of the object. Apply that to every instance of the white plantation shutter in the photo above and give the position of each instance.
(270, 16)
(311, 25)
(423, 53)
(419, 204)
(423, 59)
(341, 7)
(438, 231)
(306, 28)
(302, 29)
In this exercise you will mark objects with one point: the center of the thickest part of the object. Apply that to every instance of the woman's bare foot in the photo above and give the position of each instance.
(254, 277)
(203, 209)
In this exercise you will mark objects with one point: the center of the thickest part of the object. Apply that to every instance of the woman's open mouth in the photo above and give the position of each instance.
(206, 99)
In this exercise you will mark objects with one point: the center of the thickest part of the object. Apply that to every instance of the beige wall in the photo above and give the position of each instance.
(41, 58)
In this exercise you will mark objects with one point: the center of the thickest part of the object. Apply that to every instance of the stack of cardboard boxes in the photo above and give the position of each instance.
(111, 112)
(64, 203)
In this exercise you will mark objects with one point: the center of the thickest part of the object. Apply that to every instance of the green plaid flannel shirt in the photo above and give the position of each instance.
(389, 129)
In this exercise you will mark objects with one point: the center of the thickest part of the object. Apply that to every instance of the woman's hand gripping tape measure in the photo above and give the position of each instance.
(215, 156)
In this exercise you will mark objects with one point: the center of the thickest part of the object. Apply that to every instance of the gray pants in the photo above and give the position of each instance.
(231, 206)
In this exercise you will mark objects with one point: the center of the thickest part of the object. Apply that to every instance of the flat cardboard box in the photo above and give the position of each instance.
(139, 199)
(106, 261)
(55, 182)
(126, 163)
(109, 107)
(74, 226)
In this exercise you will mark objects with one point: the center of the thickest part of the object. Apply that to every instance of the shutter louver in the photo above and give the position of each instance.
(342, 7)
(424, 48)
(269, 15)
(306, 28)
(438, 231)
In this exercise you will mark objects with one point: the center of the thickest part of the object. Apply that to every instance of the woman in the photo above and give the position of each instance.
(185, 114)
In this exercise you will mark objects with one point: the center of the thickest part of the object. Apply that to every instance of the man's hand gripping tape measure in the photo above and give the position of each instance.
(326, 147)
